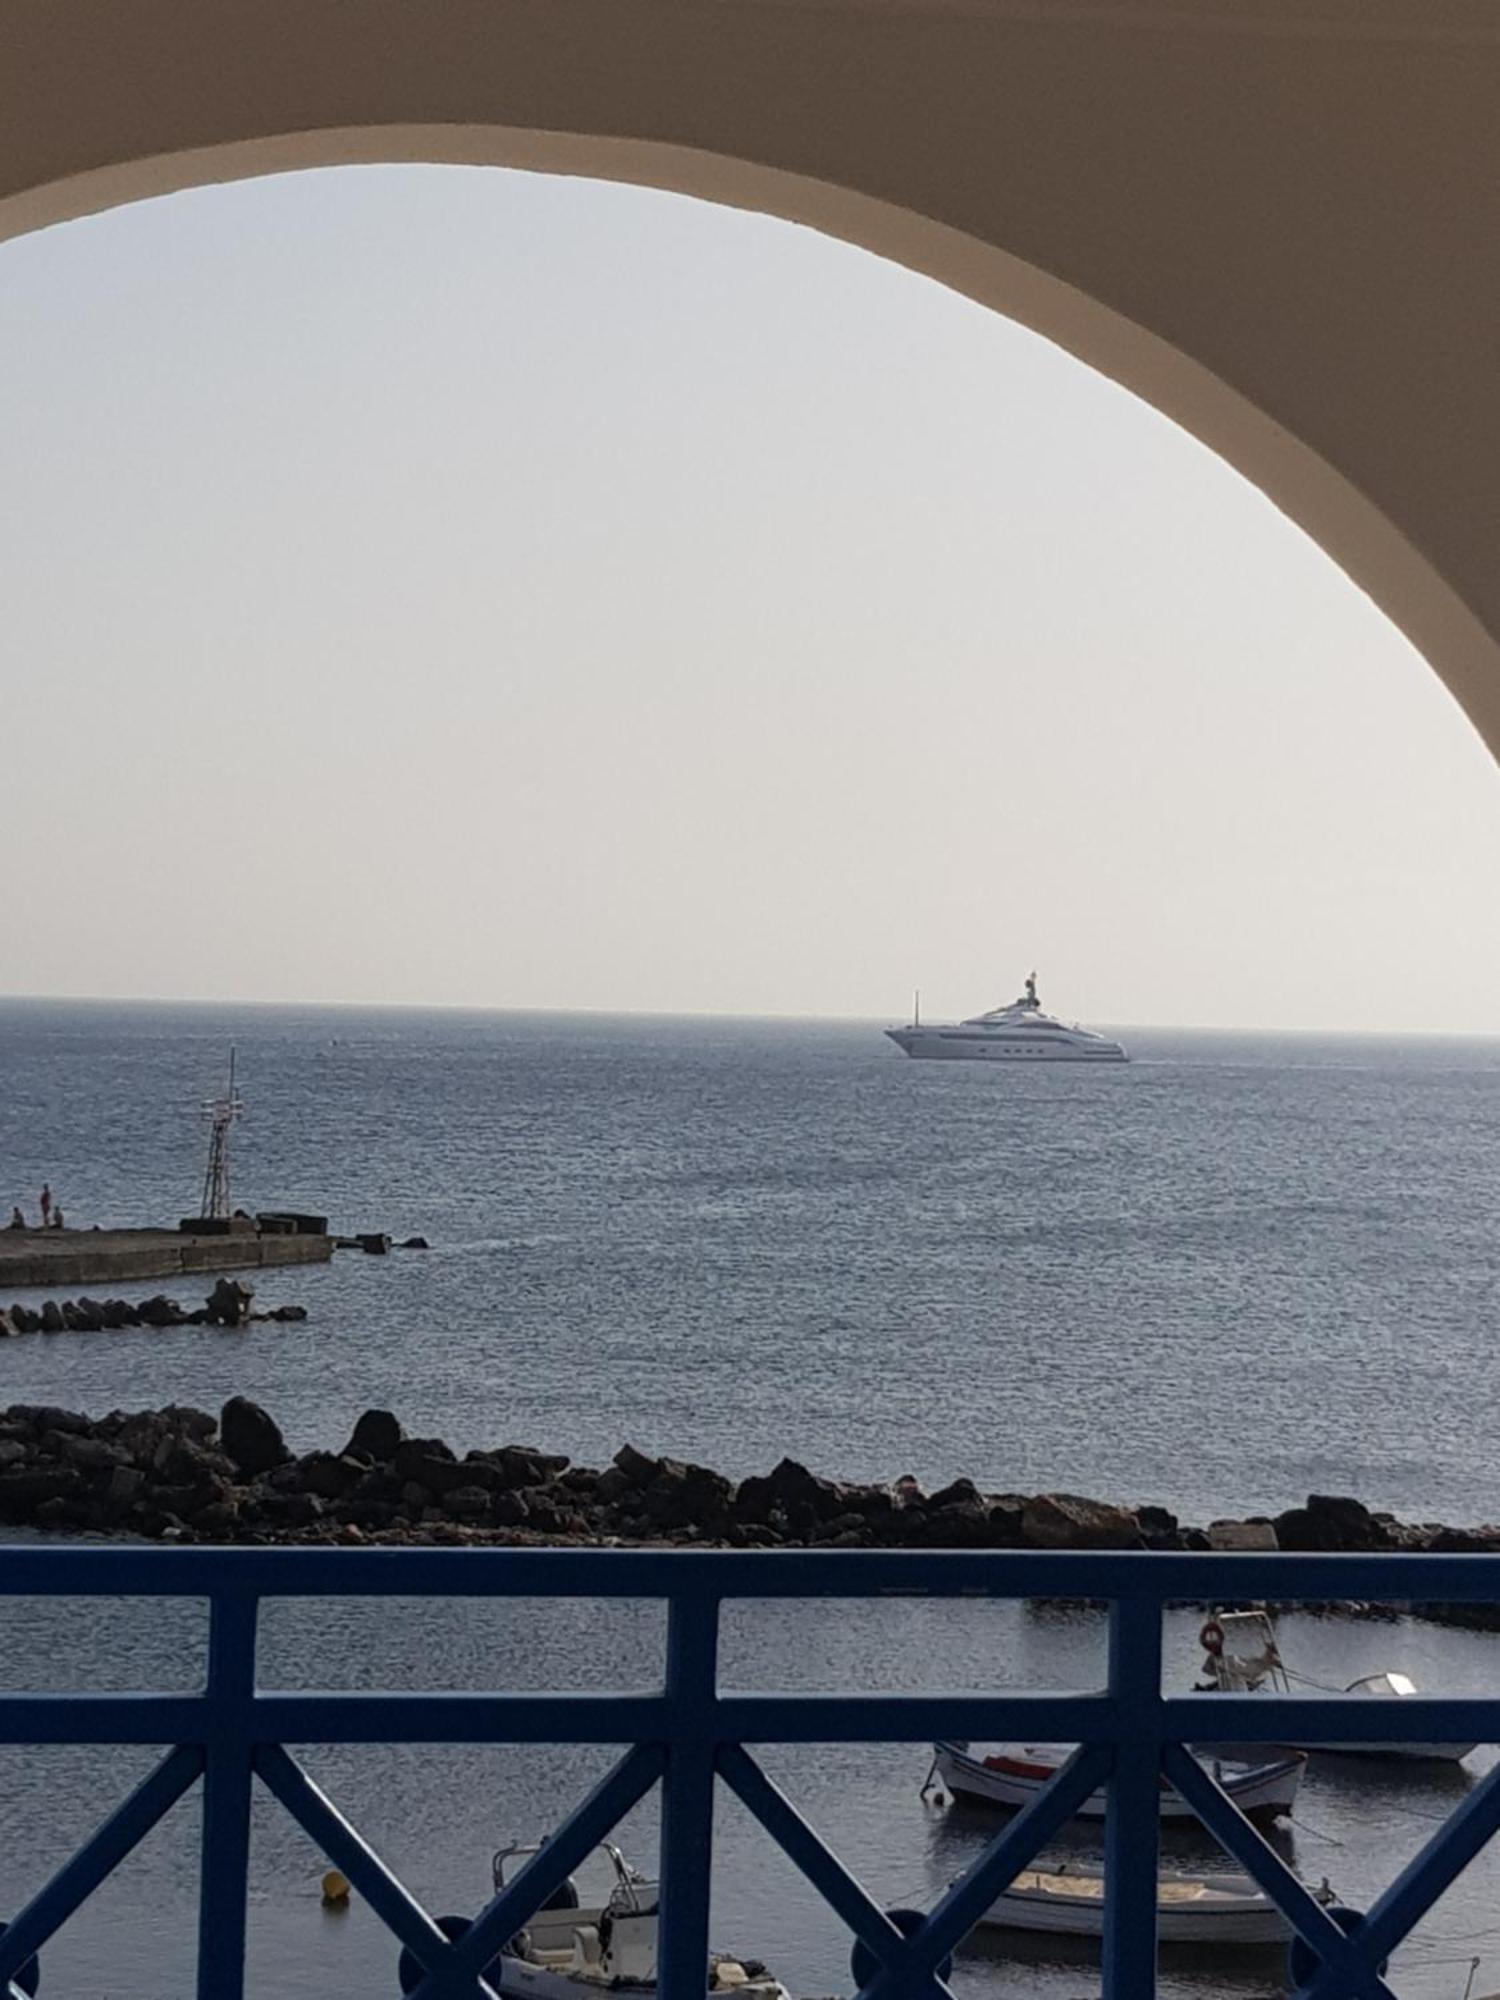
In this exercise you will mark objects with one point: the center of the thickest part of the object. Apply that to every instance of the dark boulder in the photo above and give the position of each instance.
(613, 1484)
(467, 1503)
(141, 1436)
(479, 1469)
(123, 1488)
(635, 1466)
(188, 1500)
(184, 1461)
(687, 1496)
(91, 1454)
(964, 1523)
(39, 1418)
(328, 1476)
(191, 1421)
(290, 1510)
(1331, 1524)
(378, 1434)
(52, 1317)
(22, 1492)
(524, 1465)
(428, 1462)
(800, 1496)
(1346, 1524)
(1158, 1528)
(251, 1437)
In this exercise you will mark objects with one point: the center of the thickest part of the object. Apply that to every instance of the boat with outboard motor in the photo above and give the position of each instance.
(1262, 1783)
(1021, 1032)
(608, 1942)
(1241, 1656)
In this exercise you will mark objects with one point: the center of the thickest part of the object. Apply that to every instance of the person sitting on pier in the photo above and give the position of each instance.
(17, 1220)
(57, 1218)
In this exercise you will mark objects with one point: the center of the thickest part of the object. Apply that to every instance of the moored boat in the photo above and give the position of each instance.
(1241, 1656)
(598, 1938)
(1262, 1784)
(1066, 1899)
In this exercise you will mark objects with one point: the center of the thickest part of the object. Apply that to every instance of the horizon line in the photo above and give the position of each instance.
(694, 1014)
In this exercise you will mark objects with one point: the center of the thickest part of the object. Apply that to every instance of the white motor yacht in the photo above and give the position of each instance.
(1021, 1032)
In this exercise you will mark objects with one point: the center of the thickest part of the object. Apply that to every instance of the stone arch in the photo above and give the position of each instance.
(1278, 221)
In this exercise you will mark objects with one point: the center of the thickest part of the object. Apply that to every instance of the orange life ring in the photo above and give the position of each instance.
(1211, 1638)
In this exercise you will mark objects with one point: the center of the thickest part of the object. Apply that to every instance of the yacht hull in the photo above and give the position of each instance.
(957, 1045)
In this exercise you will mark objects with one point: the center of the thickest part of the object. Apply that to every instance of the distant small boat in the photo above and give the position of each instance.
(1066, 1899)
(1241, 1656)
(1263, 1786)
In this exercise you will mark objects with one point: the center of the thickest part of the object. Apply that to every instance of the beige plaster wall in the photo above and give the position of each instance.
(1279, 220)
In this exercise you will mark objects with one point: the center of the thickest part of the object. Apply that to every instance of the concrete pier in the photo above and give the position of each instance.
(105, 1256)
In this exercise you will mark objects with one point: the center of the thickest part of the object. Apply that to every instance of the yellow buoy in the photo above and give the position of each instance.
(335, 1890)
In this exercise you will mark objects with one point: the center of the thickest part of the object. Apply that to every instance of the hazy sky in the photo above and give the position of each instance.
(452, 585)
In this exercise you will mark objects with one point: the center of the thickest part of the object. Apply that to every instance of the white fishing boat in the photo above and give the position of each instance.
(1241, 1656)
(1066, 1899)
(1021, 1032)
(1263, 1783)
(603, 1937)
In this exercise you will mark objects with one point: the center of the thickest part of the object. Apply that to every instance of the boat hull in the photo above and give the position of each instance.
(517, 1979)
(1219, 1911)
(954, 1045)
(1401, 1753)
(1261, 1791)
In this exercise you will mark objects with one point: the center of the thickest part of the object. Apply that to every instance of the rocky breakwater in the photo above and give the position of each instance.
(184, 1475)
(228, 1304)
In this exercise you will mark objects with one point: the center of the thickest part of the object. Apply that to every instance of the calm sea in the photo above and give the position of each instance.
(1236, 1270)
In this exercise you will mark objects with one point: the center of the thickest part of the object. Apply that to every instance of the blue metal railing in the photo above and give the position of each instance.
(689, 1736)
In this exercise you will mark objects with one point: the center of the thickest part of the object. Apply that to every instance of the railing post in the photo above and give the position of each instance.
(229, 1752)
(687, 1799)
(1132, 1822)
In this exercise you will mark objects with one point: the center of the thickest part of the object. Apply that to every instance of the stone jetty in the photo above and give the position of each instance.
(122, 1256)
(184, 1475)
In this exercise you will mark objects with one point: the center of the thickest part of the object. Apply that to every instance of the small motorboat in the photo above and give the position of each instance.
(1066, 1898)
(1241, 1656)
(573, 1947)
(1263, 1784)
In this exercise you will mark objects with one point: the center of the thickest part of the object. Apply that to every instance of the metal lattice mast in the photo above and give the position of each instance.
(222, 1112)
